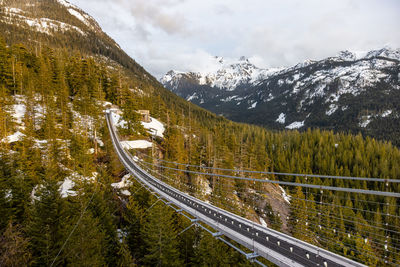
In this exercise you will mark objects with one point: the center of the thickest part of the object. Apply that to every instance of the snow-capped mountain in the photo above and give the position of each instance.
(351, 91)
(227, 76)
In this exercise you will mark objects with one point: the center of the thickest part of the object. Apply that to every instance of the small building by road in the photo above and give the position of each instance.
(145, 115)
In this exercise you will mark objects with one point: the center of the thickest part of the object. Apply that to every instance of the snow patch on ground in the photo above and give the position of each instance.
(66, 188)
(65, 3)
(46, 25)
(121, 235)
(106, 104)
(192, 97)
(43, 25)
(142, 144)
(386, 113)
(99, 141)
(263, 223)
(79, 16)
(17, 136)
(19, 112)
(8, 195)
(295, 125)
(155, 127)
(123, 184)
(33, 193)
(270, 97)
(205, 185)
(13, 10)
(281, 118)
(117, 118)
(252, 105)
(332, 109)
(40, 143)
(285, 196)
(365, 120)
(229, 98)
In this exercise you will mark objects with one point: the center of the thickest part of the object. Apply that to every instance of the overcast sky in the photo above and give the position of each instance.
(183, 34)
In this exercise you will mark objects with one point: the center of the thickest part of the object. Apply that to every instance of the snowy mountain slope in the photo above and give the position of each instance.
(25, 14)
(228, 75)
(60, 24)
(350, 91)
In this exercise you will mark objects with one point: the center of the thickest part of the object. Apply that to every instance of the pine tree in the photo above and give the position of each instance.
(299, 218)
(213, 252)
(130, 115)
(160, 237)
(124, 255)
(86, 247)
(46, 219)
(14, 247)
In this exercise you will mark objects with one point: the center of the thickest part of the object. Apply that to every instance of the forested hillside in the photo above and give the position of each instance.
(58, 170)
(60, 139)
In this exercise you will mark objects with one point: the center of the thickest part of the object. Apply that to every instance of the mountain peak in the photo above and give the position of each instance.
(224, 74)
(243, 58)
(385, 52)
(346, 55)
(219, 59)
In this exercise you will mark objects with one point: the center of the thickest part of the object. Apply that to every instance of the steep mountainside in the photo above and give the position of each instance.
(60, 24)
(356, 92)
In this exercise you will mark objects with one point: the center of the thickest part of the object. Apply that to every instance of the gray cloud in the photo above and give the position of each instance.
(156, 14)
(183, 34)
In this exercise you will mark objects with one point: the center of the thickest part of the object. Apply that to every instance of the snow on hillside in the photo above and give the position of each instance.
(66, 187)
(386, 113)
(253, 105)
(285, 196)
(281, 119)
(295, 125)
(332, 109)
(66, 3)
(123, 184)
(141, 144)
(43, 25)
(79, 16)
(19, 112)
(365, 120)
(155, 127)
(263, 223)
(17, 136)
(23, 16)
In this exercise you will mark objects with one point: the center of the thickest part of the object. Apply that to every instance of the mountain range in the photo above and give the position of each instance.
(357, 92)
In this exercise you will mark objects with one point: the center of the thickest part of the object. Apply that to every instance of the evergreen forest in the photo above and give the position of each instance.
(63, 139)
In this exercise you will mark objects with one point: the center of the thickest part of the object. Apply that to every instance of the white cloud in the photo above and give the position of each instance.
(183, 34)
